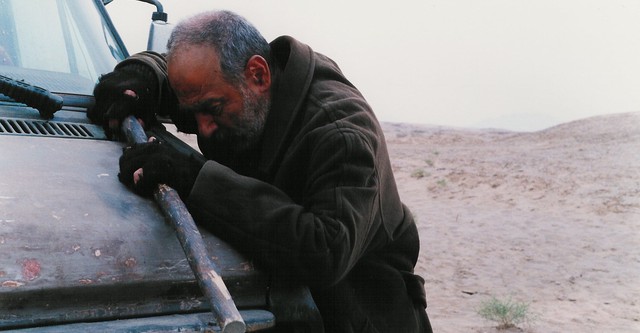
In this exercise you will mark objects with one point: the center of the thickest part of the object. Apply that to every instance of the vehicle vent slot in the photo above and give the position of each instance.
(35, 127)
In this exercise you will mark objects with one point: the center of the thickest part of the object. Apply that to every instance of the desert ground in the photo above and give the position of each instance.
(548, 218)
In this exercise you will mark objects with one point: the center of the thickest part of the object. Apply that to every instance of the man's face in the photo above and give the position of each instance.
(226, 114)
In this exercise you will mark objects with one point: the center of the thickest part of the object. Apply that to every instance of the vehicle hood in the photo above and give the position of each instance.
(76, 244)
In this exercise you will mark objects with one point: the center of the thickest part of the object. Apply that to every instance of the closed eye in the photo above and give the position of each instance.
(212, 107)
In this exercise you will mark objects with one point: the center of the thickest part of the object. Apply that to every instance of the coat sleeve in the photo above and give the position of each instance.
(317, 239)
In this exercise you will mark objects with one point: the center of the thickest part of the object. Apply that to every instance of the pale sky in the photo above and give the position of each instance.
(511, 64)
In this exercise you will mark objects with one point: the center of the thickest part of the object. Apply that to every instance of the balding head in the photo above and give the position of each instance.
(234, 39)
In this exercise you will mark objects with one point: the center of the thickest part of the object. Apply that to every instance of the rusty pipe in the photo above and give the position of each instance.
(223, 308)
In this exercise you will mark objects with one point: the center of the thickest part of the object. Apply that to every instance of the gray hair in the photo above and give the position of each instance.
(231, 35)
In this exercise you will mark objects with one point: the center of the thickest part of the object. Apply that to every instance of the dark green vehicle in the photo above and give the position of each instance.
(79, 252)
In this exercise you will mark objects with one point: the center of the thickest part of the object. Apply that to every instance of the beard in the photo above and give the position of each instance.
(228, 142)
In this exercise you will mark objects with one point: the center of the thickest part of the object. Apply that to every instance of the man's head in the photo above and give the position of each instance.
(218, 68)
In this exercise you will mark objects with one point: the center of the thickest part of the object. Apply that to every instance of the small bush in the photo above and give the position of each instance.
(419, 173)
(507, 313)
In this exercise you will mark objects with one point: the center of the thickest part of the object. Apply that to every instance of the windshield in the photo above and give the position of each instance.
(59, 45)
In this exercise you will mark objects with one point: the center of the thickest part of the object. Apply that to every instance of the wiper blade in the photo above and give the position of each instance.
(38, 98)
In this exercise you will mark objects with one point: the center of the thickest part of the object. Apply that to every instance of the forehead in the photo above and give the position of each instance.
(194, 69)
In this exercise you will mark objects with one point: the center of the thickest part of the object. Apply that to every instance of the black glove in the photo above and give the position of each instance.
(131, 89)
(161, 164)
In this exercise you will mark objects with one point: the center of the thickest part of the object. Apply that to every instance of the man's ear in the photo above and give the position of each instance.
(258, 74)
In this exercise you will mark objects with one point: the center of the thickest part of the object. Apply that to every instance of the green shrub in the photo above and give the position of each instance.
(507, 313)
(419, 173)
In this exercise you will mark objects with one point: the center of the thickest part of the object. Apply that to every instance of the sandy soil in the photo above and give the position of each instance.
(550, 218)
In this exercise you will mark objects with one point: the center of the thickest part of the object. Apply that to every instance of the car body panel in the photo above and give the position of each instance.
(72, 235)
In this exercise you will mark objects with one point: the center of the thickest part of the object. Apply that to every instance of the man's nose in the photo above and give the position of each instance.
(206, 124)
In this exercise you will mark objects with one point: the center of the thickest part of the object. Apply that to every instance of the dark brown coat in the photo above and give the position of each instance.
(317, 202)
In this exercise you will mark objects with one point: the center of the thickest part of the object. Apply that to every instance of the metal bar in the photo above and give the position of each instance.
(133, 131)
(223, 308)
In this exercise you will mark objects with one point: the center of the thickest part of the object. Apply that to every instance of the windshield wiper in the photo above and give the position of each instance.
(38, 98)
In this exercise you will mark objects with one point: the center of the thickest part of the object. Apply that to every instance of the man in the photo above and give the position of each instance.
(298, 175)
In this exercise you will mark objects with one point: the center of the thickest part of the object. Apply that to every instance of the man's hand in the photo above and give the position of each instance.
(144, 166)
(128, 90)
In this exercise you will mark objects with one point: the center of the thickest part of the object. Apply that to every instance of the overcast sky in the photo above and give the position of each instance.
(512, 64)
